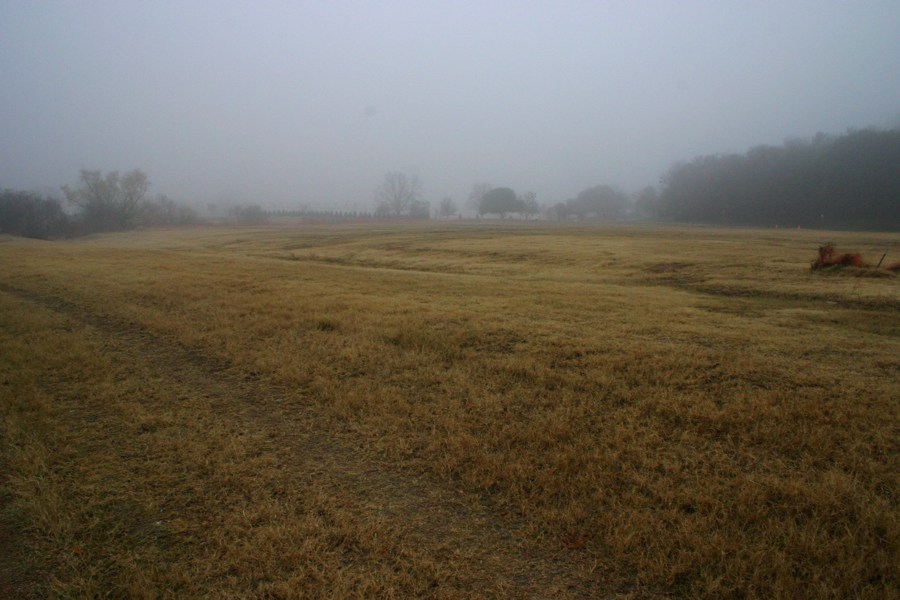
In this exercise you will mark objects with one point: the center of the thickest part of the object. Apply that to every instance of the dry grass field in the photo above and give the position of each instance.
(449, 411)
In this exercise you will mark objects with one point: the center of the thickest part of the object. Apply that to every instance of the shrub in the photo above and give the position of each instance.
(32, 215)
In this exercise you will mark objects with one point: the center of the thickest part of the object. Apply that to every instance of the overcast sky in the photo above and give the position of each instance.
(313, 102)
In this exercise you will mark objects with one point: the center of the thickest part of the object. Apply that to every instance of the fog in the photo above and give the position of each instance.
(290, 104)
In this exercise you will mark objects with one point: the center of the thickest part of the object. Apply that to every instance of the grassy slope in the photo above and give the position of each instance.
(664, 410)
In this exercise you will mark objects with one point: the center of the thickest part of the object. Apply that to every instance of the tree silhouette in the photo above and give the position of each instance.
(397, 194)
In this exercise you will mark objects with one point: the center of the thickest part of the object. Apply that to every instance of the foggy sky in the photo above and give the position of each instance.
(313, 102)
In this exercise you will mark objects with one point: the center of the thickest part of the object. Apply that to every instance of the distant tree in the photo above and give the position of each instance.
(163, 211)
(499, 201)
(251, 214)
(646, 203)
(447, 207)
(599, 202)
(528, 202)
(397, 193)
(831, 181)
(31, 215)
(108, 203)
(476, 194)
(557, 212)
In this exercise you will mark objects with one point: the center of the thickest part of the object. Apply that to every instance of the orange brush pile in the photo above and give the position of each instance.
(829, 258)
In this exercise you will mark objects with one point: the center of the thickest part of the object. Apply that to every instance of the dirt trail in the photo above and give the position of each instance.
(494, 548)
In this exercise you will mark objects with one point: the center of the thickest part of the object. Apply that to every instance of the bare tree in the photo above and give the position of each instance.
(447, 207)
(397, 194)
(529, 203)
(110, 202)
(134, 186)
(477, 193)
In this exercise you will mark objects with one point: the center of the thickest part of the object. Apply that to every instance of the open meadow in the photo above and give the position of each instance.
(449, 410)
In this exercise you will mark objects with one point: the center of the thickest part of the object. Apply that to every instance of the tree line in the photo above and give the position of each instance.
(98, 202)
(847, 181)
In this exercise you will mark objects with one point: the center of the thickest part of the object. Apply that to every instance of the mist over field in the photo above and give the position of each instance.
(311, 104)
(450, 299)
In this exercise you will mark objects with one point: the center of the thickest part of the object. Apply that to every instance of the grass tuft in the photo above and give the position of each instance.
(327, 325)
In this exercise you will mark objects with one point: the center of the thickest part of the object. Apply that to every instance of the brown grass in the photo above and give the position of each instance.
(450, 411)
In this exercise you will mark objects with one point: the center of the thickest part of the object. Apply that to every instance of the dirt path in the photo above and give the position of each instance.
(495, 552)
